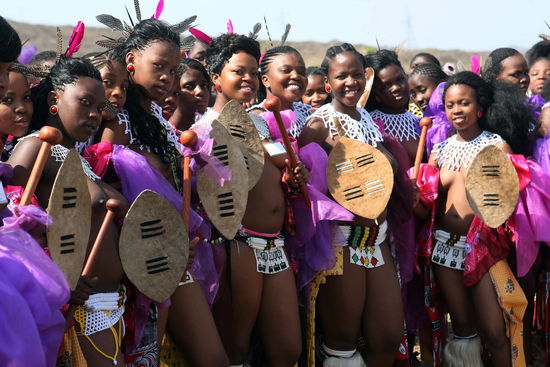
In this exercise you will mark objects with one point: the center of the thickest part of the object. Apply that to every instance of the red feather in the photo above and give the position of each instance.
(160, 7)
(76, 39)
(475, 65)
(201, 36)
(229, 26)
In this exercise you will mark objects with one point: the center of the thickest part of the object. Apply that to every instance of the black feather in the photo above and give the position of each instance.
(111, 22)
(285, 35)
(183, 25)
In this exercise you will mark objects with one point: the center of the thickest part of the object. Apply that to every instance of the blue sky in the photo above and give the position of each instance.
(467, 24)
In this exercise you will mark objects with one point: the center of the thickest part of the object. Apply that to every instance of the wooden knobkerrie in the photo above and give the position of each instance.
(70, 206)
(154, 246)
(492, 186)
(225, 205)
(359, 177)
(241, 127)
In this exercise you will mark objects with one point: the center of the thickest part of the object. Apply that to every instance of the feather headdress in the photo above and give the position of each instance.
(122, 27)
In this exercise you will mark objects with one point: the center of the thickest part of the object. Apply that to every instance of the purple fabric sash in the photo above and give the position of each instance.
(441, 128)
(136, 175)
(531, 218)
(312, 244)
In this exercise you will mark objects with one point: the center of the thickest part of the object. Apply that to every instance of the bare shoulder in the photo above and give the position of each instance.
(22, 159)
(114, 132)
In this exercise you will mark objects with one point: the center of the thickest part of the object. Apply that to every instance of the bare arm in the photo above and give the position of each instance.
(316, 132)
(23, 158)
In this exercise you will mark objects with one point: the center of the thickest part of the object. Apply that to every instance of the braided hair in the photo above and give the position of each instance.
(222, 48)
(334, 51)
(268, 58)
(493, 65)
(146, 127)
(65, 72)
(432, 72)
(192, 64)
(505, 112)
(378, 61)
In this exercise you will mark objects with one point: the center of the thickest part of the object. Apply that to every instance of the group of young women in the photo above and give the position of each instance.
(345, 290)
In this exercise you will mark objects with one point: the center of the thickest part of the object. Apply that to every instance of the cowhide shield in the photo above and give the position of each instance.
(241, 127)
(492, 186)
(359, 177)
(71, 209)
(154, 246)
(225, 205)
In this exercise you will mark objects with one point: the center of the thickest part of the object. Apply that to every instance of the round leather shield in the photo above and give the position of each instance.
(492, 186)
(71, 209)
(154, 246)
(241, 127)
(225, 205)
(359, 177)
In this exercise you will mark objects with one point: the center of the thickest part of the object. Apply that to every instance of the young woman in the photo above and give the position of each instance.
(355, 296)
(389, 100)
(283, 74)
(188, 100)
(71, 99)
(317, 93)
(147, 147)
(478, 111)
(250, 298)
(507, 65)
(423, 81)
(15, 111)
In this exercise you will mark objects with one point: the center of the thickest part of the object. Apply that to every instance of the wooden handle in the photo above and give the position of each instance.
(273, 104)
(114, 206)
(49, 136)
(189, 139)
(425, 122)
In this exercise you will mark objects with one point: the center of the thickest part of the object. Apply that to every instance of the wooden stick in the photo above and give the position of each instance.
(49, 136)
(273, 104)
(189, 139)
(114, 206)
(425, 122)
(369, 75)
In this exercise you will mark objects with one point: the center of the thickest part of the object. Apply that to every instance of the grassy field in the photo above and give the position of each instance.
(44, 37)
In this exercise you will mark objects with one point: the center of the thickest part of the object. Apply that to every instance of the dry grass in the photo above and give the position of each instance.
(44, 38)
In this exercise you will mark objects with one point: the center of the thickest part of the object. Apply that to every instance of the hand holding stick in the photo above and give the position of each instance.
(49, 136)
(426, 123)
(273, 104)
(114, 206)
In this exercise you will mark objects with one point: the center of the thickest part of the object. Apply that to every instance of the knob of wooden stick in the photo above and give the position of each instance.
(426, 123)
(189, 138)
(50, 135)
(272, 104)
(114, 205)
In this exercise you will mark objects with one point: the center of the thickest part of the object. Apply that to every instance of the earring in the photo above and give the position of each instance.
(218, 87)
(130, 68)
(327, 88)
(480, 114)
(53, 110)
